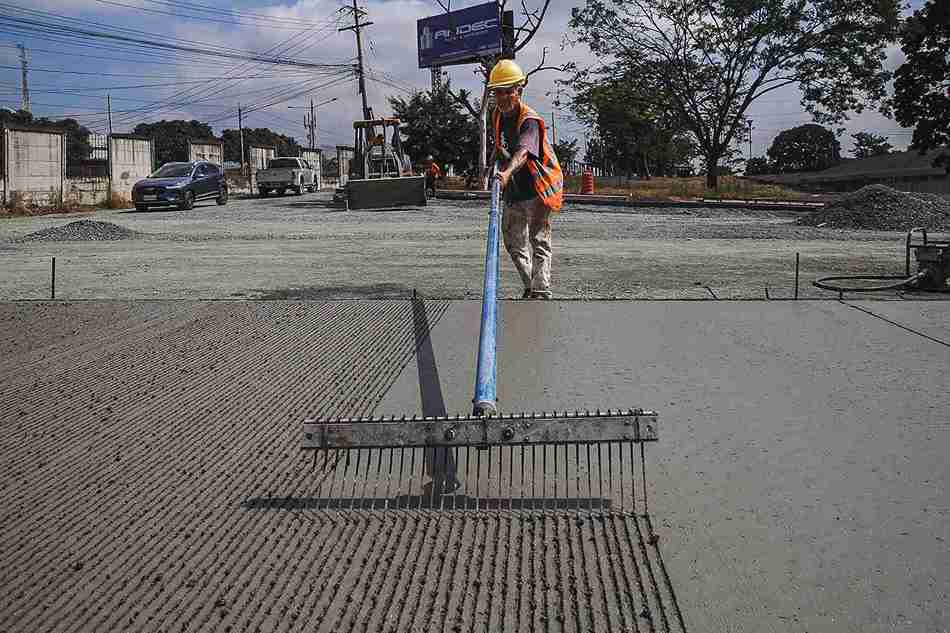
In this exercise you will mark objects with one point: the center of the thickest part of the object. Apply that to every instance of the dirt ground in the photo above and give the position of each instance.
(303, 247)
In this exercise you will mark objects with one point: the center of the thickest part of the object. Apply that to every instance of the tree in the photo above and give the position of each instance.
(922, 84)
(171, 137)
(262, 136)
(637, 134)
(435, 123)
(867, 145)
(566, 151)
(711, 60)
(808, 147)
(757, 166)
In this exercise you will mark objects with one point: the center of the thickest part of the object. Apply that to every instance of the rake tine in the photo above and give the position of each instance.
(389, 479)
(436, 476)
(544, 478)
(445, 470)
(590, 489)
(422, 478)
(577, 474)
(402, 459)
(468, 454)
(379, 466)
(633, 481)
(478, 475)
(501, 474)
(600, 472)
(523, 486)
(643, 466)
(488, 482)
(412, 472)
(512, 487)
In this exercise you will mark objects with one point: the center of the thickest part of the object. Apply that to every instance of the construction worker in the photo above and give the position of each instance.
(432, 172)
(531, 180)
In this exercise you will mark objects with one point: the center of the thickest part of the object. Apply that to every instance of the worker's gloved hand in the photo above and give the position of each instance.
(504, 176)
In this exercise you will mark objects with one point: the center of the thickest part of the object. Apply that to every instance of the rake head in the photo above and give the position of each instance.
(540, 461)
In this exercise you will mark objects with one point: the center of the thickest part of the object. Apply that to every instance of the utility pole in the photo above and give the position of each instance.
(313, 126)
(24, 78)
(749, 121)
(357, 14)
(241, 134)
(109, 110)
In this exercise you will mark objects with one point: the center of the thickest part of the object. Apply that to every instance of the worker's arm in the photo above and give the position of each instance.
(516, 163)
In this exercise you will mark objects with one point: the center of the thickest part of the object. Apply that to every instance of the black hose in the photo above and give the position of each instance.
(900, 283)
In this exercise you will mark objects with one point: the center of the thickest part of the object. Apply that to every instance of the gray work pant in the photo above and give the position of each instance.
(526, 227)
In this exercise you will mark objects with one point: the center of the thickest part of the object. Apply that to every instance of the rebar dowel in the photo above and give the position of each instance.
(485, 402)
(52, 285)
(796, 276)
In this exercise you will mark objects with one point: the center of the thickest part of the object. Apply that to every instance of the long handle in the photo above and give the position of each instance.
(485, 401)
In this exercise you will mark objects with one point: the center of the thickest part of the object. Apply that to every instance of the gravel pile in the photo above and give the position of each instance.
(79, 231)
(878, 207)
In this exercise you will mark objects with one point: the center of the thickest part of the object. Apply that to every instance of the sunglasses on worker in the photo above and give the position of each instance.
(506, 92)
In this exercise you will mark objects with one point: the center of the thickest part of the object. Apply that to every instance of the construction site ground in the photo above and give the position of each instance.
(303, 247)
(152, 480)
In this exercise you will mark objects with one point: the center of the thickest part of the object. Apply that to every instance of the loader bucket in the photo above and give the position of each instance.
(382, 193)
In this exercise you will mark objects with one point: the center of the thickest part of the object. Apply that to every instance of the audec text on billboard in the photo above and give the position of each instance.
(459, 37)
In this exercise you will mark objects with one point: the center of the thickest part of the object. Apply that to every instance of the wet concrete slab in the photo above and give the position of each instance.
(800, 481)
(152, 478)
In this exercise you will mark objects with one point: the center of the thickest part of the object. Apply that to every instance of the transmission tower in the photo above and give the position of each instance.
(24, 62)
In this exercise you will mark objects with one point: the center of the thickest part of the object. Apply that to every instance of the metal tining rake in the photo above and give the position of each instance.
(545, 461)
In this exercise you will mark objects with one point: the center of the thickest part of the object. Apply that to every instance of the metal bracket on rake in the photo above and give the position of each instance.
(578, 427)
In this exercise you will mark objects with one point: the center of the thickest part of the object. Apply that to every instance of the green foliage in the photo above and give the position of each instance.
(867, 145)
(709, 61)
(77, 136)
(435, 123)
(633, 131)
(808, 147)
(171, 138)
(758, 165)
(286, 145)
(566, 151)
(922, 84)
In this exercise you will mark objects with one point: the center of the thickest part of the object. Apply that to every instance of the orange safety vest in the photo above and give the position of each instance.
(434, 170)
(545, 170)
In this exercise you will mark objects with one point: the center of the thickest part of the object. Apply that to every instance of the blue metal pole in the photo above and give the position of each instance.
(485, 401)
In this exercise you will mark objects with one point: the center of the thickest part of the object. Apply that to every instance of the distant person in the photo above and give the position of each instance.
(432, 173)
(532, 180)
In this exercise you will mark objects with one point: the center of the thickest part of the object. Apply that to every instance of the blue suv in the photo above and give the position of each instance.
(181, 185)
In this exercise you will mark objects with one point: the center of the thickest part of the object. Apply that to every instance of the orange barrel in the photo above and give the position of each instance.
(587, 182)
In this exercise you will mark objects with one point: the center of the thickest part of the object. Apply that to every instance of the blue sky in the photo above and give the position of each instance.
(74, 76)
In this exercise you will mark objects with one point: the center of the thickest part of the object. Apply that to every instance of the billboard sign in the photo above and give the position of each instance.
(459, 37)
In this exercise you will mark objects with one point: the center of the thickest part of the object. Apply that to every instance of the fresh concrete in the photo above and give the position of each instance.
(800, 482)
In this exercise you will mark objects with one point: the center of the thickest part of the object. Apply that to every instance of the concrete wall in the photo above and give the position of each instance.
(312, 156)
(132, 160)
(86, 191)
(258, 157)
(34, 167)
(211, 152)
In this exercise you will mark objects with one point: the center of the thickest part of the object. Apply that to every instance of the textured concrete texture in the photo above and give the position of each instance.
(151, 479)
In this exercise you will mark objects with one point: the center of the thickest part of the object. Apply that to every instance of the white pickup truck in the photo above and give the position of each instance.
(286, 173)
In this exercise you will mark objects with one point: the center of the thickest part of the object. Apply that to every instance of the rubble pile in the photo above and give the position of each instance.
(877, 207)
(81, 230)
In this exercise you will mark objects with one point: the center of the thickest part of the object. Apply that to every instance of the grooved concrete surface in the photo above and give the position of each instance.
(151, 481)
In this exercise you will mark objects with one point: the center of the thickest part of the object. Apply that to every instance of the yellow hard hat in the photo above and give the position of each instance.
(506, 73)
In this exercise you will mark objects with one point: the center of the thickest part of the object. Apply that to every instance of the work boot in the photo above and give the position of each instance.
(527, 294)
(541, 294)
